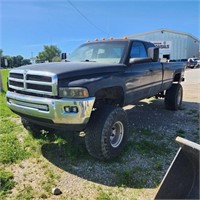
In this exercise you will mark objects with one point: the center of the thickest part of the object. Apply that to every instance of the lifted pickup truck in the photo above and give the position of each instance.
(87, 92)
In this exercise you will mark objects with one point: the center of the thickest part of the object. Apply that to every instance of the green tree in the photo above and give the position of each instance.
(14, 61)
(17, 61)
(6, 62)
(56, 59)
(1, 53)
(49, 53)
(26, 62)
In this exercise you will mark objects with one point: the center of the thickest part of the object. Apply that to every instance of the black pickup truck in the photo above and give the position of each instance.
(87, 92)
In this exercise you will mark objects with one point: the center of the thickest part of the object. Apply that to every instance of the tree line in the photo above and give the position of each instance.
(12, 61)
(50, 53)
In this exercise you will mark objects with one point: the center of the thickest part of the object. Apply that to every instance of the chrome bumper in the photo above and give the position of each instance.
(52, 109)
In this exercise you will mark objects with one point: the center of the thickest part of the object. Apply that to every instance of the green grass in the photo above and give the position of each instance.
(4, 75)
(6, 181)
(149, 148)
(137, 177)
(65, 149)
(11, 149)
(4, 111)
(28, 193)
(146, 142)
(103, 196)
(6, 116)
(180, 133)
(146, 132)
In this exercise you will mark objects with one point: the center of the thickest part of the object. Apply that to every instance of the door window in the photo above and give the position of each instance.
(138, 50)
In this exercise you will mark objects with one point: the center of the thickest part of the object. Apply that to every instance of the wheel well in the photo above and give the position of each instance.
(111, 95)
(177, 78)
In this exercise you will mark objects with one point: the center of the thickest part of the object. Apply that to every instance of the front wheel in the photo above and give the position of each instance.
(173, 97)
(107, 132)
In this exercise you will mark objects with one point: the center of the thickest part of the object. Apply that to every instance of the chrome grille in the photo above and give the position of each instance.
(33, 82)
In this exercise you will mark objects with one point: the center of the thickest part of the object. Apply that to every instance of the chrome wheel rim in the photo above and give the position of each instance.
(117, 133)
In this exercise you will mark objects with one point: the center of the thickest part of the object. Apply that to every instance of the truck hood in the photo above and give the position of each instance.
(70, 69)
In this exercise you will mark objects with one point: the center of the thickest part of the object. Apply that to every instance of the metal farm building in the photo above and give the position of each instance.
(173, 45)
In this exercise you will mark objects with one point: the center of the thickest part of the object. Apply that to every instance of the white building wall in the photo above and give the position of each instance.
(192, 48)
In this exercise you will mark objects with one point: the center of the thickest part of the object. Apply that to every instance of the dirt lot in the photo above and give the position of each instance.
(140, 169)
(192, 86)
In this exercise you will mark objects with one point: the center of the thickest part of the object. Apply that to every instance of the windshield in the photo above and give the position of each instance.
(100, 52)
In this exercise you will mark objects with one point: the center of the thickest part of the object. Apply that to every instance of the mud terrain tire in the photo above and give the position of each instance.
(173, 97)
(107, 132)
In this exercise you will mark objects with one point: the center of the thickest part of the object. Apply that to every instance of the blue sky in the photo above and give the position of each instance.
(27, 25)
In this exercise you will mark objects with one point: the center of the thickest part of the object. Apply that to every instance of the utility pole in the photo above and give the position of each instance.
(32, 58)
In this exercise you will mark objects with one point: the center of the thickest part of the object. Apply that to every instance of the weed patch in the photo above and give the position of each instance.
(7, 123)
(6, 182)
(11, 150)
(28, 193)
(49, 183)
(145, 147)
(9, 126)
(103, 196)
(4, 110)
(180, 133)
(66, 150)
(136, 177)
(146, 132)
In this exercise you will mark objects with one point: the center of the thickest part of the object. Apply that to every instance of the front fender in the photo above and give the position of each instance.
(94, 84)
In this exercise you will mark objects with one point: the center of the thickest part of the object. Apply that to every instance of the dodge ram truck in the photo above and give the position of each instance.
(88, 91)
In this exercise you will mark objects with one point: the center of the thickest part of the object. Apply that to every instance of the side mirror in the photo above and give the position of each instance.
(153, 53)
(63, 56)
(139, 60)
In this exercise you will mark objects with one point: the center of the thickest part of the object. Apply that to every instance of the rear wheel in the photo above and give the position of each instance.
(173, 97)
(107, 132)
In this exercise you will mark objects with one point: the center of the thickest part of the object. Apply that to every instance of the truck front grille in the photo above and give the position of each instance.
(44, 83)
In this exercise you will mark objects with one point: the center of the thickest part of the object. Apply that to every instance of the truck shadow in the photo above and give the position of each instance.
(146, 158)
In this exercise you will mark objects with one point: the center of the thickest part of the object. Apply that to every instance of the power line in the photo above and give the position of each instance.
(88, 20)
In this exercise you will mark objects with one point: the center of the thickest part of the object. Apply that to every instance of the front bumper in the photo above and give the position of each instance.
(51, 109)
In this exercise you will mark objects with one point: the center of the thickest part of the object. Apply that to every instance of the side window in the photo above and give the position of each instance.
(138, 50)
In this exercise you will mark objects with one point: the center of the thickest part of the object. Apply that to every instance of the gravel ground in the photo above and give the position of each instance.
(138, 171)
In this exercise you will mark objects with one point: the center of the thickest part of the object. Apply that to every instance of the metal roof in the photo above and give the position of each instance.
(164, 30)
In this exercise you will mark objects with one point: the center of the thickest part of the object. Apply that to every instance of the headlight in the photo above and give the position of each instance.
(73, 92)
